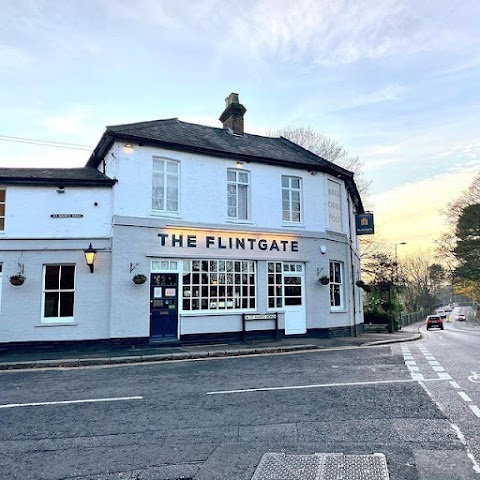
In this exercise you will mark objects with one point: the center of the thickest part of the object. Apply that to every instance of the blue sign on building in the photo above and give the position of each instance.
(364, 224)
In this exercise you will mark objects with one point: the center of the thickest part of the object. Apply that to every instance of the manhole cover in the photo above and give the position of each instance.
(278, 466)
(322, 466)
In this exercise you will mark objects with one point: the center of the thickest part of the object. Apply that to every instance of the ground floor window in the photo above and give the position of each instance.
(336, 286)
(284, 284)
(219, 285)
(58, 293)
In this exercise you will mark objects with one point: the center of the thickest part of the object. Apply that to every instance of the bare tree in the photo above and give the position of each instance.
(327, 148)
(422, 281)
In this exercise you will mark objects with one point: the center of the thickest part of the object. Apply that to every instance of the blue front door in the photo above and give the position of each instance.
(164, 305)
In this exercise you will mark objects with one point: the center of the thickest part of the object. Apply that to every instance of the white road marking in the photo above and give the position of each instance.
(461, 437)
(417, 376)
(455, 385)
(430, 357)
(433, 363)
(444, 376)
(413, 368)
(465, 396)
(70, 402)
(475, 410)
(320, 385)
(410, 362)
(438, 369)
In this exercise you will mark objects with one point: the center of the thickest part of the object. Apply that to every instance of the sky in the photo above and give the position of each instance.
(394, 82)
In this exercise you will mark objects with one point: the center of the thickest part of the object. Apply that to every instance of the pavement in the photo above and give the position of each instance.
(88, 355)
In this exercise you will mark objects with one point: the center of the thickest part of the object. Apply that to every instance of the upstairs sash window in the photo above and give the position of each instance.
(2, 209)
(165, 187)
(291, 199)
(238, 183)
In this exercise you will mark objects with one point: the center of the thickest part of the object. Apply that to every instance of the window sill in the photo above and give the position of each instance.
(217, 312)
(240, 222)
(293, 224)
(340, 310)
(155, 213)
(57, 324)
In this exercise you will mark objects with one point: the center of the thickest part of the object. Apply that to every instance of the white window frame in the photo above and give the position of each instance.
(236, 184)
(1, 283)
(166, 176)
(209, 293)
(337, 287)
(4, 203)
(276, 288)
(58, 319)
(290, 190)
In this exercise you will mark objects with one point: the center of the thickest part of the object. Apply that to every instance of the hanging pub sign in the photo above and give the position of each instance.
(364, 224)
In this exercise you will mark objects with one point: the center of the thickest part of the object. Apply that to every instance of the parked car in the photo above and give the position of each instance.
(448, 309)
(460, 317)
(434, 321)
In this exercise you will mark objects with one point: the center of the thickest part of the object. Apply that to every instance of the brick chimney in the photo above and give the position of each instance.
(232, 116)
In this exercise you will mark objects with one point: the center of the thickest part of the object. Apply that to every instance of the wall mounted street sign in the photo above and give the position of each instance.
(364, 224)
(66, 215)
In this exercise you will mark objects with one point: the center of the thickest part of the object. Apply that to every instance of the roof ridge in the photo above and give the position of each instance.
(146, 122)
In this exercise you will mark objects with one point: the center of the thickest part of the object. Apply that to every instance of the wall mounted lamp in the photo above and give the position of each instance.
(239, 164)
(128, 147)
(90, 254)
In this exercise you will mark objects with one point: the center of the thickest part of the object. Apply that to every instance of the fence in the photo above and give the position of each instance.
(409, 318)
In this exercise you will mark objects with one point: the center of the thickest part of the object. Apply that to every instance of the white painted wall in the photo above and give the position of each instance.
(28, 210)
(203, 191)
(20, 316)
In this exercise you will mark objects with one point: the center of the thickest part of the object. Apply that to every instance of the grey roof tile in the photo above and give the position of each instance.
(176, 132)
(84, 176)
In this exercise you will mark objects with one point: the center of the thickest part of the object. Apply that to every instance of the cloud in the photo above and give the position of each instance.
(379, 150)
(390, 92)
(77, 120)
(470, 150)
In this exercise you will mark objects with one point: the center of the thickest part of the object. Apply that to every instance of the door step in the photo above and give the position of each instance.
(162, 342)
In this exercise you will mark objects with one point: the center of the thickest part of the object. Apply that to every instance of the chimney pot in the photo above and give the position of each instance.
(232, 116)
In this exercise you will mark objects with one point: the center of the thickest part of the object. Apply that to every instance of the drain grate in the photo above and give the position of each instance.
(322, 466)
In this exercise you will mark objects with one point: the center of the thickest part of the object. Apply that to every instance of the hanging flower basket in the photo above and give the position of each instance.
(324, 280)
(139, 279)
(363, 285)
(17, 279)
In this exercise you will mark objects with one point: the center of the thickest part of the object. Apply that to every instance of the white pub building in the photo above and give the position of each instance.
(176, 232)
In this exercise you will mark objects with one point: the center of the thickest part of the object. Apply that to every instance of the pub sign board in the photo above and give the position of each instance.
(364, 224)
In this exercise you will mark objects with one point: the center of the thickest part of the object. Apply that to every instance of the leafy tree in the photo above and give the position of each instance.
(445, 245)
(467, 251)
(327, 148)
